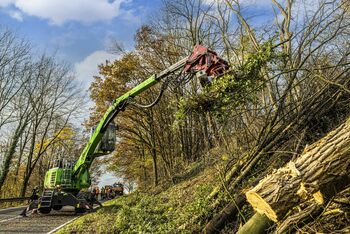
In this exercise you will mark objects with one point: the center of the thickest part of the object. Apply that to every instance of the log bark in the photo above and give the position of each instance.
(311, 212)
(309, 176)
(219, 221)
(228, 213)
(257, 224)
(305, 216)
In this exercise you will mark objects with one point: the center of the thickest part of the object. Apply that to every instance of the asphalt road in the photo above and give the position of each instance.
(10, 213)
(11, 222)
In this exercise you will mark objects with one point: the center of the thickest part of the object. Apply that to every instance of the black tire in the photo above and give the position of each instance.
(45, 210)
(57, 207)
(80, 210)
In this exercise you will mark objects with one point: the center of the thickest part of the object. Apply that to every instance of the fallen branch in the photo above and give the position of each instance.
(219, 221)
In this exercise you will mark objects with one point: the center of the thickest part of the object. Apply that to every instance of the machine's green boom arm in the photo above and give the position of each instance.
(87, 156)
(202, 61)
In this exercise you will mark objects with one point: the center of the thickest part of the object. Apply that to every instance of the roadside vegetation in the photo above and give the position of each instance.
(179, 208)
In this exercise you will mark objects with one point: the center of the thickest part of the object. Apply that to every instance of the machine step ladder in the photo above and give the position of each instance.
(46, 198)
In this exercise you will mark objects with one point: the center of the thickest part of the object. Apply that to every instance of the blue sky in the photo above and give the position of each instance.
(77, 31)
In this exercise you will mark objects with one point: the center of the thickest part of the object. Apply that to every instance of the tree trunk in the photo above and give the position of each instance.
(21, 152)
(29, 163)
(256, 224)
(309, 176)
(153, 149)
(219, 221)
(24, 186)
(11, 152)
(155, 167)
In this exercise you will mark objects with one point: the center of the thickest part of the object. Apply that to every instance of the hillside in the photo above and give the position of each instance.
(180, 208)
(185, 208)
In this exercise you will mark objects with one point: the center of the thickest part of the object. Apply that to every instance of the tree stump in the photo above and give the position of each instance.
(312, 175)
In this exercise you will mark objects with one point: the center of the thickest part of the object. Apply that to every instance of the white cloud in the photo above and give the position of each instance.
(87, 68)
(16, 15)
(61, 11)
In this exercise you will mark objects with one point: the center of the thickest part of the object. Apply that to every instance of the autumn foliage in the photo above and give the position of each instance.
(287, 87)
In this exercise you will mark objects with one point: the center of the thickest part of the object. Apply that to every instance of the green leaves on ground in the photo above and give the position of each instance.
(176, 209)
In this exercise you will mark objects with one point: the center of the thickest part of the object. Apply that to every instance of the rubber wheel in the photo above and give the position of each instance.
(57, 207)
(45, 210)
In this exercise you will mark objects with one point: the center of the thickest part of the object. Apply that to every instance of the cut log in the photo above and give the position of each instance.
(219, 221)
(311, 212)
(305, 216)
(256, 224)
(312, 175)
(228, 214)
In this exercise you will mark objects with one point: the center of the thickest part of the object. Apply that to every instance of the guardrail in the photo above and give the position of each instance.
(14, 199)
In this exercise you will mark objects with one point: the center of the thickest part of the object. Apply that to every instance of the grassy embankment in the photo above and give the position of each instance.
(176, 209)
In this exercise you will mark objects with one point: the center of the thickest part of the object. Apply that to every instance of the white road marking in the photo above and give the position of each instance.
(16, 217)
(12, 209)
(66, 223)
(61, 226)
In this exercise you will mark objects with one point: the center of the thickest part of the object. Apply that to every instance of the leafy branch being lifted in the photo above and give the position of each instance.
(64, 180)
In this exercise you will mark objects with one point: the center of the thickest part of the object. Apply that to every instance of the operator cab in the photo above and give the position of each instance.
(61, 163)
(59, 174)
(107, 143)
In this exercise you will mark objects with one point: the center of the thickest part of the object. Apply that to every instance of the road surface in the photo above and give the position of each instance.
(11, 222)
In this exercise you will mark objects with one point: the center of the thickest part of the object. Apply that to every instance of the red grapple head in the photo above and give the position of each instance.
(204, 59)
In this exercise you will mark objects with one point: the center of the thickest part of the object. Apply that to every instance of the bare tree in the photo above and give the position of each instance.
(14, 55)
(55, 98)
(23, 116)
(14, 74)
